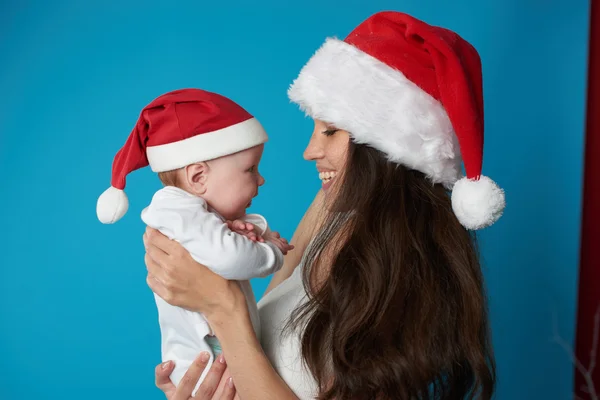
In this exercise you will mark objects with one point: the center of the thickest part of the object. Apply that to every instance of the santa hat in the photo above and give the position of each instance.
(414, 92)
(179, 128)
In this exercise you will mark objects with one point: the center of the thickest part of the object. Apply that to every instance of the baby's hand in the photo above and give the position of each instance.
(246, 229)
(278, 241)
(283, 245)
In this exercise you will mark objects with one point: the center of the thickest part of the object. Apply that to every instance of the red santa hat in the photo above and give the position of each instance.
(414, 92)
(179, 128)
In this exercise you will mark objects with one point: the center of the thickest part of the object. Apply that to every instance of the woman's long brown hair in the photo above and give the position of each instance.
(402, 312)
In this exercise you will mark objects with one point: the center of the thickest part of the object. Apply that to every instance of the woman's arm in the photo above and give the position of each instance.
(308, 226)
(252, 372)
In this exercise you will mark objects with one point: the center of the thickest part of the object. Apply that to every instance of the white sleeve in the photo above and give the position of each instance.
(207, 238)
(259, 221)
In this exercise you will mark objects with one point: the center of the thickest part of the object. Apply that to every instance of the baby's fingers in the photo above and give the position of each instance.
(237, 224)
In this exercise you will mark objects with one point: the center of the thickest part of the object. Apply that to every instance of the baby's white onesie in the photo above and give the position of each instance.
(189, 220)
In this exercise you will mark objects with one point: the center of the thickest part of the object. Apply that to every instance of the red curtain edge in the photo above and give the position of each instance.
(589, 269)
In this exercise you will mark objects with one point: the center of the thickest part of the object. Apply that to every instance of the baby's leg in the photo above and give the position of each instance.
(183, 354)
(183, 336)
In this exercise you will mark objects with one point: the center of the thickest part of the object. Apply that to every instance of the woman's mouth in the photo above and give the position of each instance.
(327, 177)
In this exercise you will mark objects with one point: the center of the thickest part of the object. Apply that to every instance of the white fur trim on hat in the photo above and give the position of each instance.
(111, 205)
(380, 107)
(206, 146)
(477, 203)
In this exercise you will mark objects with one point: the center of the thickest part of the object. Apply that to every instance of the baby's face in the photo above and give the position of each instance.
(232, 182)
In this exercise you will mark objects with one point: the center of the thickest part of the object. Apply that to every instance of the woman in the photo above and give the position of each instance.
(388, 301)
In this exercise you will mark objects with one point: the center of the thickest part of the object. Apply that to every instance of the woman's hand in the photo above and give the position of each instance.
(217, 385)
(179, 280)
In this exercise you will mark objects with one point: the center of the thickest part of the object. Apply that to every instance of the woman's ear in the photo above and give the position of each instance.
(196, 176)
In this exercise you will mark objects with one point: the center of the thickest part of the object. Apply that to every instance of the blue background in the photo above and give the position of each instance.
(77, 319)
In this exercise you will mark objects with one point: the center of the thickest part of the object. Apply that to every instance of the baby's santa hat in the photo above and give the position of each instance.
(179, 128)
(414, 92)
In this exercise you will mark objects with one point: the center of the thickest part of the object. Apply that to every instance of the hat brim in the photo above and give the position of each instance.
(207, 146)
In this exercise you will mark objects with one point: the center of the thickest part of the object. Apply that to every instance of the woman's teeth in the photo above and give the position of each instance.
(327, 176)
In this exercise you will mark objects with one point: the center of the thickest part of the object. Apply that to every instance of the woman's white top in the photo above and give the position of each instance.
(284, 350)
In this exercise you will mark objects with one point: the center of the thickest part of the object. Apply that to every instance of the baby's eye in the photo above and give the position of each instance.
(251, 169)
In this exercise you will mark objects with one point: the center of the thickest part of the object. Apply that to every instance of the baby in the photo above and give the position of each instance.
(206, 150)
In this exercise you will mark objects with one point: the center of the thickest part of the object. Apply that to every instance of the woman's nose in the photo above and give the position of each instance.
(313, 150)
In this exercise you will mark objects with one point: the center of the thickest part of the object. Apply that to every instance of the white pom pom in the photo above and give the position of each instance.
(477, 203)
(112, 205)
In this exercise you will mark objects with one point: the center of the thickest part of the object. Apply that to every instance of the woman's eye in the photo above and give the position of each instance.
(330, 132)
